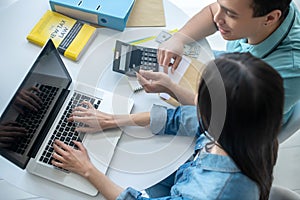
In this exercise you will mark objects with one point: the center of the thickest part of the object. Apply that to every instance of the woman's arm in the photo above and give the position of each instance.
(79, 162)
(180, 121)
(159, 82)
(98, 121)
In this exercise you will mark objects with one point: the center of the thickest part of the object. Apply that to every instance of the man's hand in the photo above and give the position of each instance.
(169, 54)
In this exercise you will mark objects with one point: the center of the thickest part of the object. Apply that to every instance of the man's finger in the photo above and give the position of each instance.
(176, 63)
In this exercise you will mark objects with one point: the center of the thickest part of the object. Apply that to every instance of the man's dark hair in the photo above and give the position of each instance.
(263, 7)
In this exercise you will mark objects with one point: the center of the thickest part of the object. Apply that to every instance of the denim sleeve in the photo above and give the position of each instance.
(158, 118)
(129, 194)
(179, 121)
(132, 194)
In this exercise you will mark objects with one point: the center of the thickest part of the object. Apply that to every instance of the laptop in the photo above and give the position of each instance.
(49, 84)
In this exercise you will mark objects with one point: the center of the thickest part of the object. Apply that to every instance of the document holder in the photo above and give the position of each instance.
(109, 13)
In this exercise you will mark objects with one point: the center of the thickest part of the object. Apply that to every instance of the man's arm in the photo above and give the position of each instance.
(198, 27)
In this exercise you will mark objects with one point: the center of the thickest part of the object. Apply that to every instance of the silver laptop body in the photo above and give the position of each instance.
(59, 96)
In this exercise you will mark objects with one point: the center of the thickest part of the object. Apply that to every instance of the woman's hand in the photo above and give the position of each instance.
(75, 160)
(78, 161)
(28, 99)
(155, 82)
(93, 119)
(9, 133)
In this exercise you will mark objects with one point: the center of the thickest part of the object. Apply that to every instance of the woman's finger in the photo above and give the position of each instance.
(88, 104)
(80, 146)
(88, 129)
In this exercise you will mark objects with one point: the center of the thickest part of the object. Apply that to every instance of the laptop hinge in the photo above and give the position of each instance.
(46, 127)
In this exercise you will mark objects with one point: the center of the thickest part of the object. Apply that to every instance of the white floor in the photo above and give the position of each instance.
(287, 169)
(288, 164)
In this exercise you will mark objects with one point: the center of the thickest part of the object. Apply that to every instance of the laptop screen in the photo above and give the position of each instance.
(24, 122)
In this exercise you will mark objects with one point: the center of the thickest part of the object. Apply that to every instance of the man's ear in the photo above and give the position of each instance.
(273, 17)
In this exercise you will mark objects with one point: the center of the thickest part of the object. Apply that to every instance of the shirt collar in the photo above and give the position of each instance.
(214, 162)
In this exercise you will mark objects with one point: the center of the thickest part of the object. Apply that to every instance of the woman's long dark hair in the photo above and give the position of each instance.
(252, 118)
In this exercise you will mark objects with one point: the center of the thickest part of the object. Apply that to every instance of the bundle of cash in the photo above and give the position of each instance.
(163, 36)
(192, 50)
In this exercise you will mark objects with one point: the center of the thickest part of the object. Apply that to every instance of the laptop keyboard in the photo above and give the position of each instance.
(31, 120)
(65, 130)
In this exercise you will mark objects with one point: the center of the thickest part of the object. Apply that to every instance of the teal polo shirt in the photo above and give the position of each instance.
(281, 50)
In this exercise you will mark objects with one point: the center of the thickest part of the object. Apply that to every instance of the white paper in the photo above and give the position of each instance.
(178, 74)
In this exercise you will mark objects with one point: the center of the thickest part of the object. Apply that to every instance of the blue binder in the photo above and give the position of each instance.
(109, 13)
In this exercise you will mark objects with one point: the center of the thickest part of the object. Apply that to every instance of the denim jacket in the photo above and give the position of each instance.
(208, 176)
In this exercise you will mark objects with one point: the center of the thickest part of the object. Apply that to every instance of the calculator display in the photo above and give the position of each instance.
(124, 50)
(130, 58)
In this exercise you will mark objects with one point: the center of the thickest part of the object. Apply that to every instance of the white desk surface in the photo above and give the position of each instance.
(141, 159)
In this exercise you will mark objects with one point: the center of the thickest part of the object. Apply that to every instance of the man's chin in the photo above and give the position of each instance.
(229, 38)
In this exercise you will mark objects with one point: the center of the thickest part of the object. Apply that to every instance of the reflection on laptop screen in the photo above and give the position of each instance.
(22, 125)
